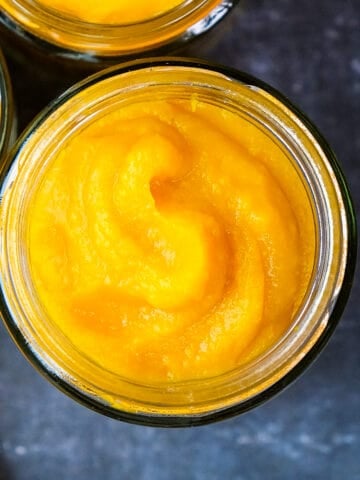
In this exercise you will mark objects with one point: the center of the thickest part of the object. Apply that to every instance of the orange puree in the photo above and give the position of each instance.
(112, 11)
(171, 240)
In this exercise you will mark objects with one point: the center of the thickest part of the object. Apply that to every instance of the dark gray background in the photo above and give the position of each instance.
(310, 50)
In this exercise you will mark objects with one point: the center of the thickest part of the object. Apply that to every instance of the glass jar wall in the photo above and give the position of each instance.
(324, 225)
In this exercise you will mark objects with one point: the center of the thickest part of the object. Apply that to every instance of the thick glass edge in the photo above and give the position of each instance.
(221, 414)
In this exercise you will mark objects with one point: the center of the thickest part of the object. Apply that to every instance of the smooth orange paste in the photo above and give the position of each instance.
(112, 11)
(171, 240)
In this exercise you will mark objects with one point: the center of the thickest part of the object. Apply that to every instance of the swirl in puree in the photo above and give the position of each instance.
(171, 240)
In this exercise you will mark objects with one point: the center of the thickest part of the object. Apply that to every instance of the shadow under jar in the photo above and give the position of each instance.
(108, 32)
(178, 242)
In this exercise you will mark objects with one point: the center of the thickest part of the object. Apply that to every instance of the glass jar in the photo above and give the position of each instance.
(6, 110)
(191, 402)
(66, 37)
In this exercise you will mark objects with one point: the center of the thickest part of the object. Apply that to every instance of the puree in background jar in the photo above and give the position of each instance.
(177, 242)
(112, 11)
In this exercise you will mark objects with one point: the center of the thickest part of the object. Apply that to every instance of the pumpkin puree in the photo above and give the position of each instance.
(171, 240)
(112, 11)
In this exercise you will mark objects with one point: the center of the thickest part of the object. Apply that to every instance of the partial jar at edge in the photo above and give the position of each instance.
(202, 400)
(57, 34)
(7, 122)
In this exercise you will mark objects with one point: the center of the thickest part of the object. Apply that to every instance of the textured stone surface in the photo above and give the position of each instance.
(311, 52)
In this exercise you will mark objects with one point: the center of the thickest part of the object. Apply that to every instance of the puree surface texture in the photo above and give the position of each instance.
(171, 240)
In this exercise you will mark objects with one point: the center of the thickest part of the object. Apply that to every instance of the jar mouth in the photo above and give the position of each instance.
(6, 114)
(200, 401)
(75, 37)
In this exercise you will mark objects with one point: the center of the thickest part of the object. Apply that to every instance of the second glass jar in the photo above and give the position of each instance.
(109, 34)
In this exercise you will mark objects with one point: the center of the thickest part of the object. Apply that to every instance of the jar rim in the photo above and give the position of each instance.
(74, 38)
(342, 289)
